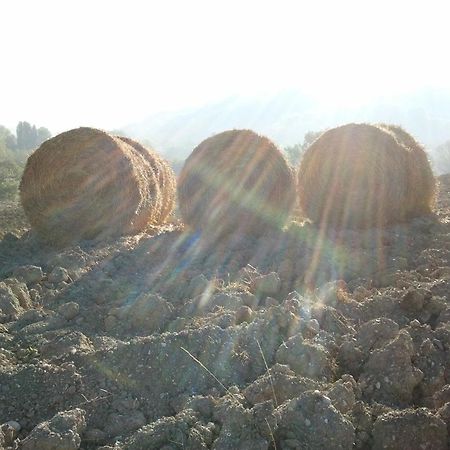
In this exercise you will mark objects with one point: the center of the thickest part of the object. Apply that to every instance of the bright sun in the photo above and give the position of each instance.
(110, 62)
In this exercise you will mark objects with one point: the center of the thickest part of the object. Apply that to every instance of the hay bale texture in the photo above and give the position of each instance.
(236, 181)
(421, 181)
(85, 184)
(165, 180)
(361, 175)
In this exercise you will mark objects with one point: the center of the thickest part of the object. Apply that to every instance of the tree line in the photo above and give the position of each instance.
(295, 152)
(27, 137)
(14, 149)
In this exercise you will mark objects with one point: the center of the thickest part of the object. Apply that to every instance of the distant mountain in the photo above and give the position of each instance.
(288, 115)
(280, 117)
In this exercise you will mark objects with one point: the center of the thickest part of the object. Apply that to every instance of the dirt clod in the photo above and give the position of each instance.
(61, 432)
(297, 338)
(415, 430)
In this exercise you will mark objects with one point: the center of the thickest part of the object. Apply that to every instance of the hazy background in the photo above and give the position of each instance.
(174, 72)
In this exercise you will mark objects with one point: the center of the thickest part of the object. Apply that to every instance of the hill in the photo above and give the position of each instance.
(286, 116)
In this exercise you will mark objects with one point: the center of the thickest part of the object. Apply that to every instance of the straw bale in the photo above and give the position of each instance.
(421, 181)
(85, 184)
(356, 175)
(165, 178)
(236, 181)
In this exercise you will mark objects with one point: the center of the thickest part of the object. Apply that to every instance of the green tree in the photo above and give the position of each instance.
(26, 136)
(7, 142)
(29, 137)
(440, 158)
(42, 135)
(294, 152)
(3, 152)
(310, 137)
(10, 174)
(11, 141)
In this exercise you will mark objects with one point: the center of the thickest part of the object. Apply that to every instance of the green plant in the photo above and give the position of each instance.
(10, 173)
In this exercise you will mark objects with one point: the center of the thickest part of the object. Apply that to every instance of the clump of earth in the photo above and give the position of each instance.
(166, 340)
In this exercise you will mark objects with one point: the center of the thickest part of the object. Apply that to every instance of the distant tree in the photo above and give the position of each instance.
(11, 141)
(310, 137)
(294, 152)
(42, 135)
(7, 142)
(7, 138)
(440, 158)
(3, 152)
(26, 136)
(29, 137)
(10, 174)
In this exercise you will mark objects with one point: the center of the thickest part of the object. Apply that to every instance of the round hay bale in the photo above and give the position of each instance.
(165, 178)
(421, 182)
(236, 181)
(85, 184)
(355, 176)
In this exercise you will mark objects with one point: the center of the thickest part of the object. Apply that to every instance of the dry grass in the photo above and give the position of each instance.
(85, 184)
(421, 182)
(165, 178)
(360, 175)
(236, 181)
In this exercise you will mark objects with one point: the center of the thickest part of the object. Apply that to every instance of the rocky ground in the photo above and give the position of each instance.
(12, 218)
(296, 340)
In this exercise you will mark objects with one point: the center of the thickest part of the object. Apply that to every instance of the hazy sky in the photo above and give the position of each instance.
(108, 63)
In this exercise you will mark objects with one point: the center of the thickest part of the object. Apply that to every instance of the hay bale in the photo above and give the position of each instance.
(165, 178)
(421, 182)
(85, 184)
(360, 175)
(236, 181)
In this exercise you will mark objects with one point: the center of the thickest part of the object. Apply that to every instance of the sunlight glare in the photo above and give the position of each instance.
(109, 63)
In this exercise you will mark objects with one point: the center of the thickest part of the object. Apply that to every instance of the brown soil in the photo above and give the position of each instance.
(292, 340)
(12, 218)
